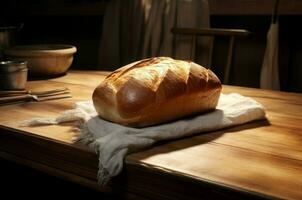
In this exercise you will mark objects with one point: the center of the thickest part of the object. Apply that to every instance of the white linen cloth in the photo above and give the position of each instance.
(113, 142)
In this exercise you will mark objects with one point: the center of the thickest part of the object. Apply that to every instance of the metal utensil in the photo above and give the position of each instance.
(7, 37)
(22, 92)
(18, 96)
(30, 97)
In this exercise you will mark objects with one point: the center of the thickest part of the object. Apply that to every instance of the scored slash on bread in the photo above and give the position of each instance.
(156, 90)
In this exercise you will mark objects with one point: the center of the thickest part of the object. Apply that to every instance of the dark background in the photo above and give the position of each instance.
(22, 182)
(79, 23)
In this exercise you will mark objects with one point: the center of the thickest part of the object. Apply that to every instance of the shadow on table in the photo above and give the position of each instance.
(198, 139)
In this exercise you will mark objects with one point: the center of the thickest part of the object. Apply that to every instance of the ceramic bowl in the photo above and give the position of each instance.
(45, 59)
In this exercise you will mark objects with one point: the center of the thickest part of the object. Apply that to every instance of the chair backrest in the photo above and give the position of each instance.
(194, 33)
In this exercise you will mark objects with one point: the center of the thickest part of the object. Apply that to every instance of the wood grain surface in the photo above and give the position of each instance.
(262, 159)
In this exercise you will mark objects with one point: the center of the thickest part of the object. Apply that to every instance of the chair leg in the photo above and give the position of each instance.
(229, 61)
(210, 52)
(193, 47)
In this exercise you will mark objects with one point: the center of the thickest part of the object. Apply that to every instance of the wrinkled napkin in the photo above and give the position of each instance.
(113, 142)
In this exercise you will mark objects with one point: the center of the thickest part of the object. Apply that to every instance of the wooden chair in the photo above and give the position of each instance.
(213, 32)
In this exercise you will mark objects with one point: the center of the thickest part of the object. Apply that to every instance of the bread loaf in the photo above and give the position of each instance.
(156, 90)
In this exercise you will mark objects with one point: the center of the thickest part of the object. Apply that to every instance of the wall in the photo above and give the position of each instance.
(80, 23)
(82, 31)
(250, 51)
(75, 22)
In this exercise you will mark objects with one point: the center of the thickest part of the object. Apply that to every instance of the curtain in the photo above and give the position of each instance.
(137, 29)
(269, 78)
(122, 33)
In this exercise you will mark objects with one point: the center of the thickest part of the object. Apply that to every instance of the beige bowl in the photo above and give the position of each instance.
(43, 60)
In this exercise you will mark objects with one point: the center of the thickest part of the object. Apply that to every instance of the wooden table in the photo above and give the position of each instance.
(261, 159)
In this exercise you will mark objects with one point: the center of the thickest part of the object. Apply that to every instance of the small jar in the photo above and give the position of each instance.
(13, 75)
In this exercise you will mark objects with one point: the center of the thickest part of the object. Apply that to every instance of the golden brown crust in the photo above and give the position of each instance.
(156, 90)
(133, 97)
